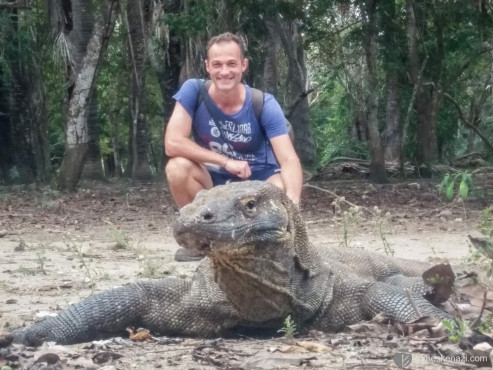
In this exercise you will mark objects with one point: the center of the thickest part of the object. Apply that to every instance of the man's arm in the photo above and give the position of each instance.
(177, 143)
(291, 173)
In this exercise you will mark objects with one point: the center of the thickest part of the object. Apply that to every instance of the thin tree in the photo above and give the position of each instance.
(377, 162)
(84, 62)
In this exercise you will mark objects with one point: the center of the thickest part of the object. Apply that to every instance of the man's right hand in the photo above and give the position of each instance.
(238, 168)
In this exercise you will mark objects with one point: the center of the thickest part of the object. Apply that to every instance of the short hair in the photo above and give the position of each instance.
(226, 37)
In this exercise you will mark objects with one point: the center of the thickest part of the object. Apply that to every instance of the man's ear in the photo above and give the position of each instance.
(207, 65)
(244, 65)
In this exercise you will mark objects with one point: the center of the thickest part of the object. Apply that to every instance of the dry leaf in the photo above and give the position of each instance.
(441, 278)
(292, 349)
(139, 335)
(314, 346)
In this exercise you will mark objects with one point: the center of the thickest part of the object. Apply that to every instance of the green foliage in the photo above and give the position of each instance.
(121, 239)
(14, 174)
(457, 329)
(331, 128)
(486, 223)
(85, 262)
(448, 184)
(347, 222)
(193, 21)
(289, 328)
(40, 262)
(383, 225)
(486, 324)
(484, 248)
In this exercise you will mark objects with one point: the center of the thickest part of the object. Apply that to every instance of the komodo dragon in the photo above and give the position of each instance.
(260, 268)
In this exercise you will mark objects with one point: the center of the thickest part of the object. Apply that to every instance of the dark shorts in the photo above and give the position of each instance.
(262, 174)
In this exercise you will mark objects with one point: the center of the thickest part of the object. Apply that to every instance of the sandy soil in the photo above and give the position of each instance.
(61, 248)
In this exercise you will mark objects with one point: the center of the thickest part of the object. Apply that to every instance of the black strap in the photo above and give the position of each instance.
(204, 95)
(257, 103)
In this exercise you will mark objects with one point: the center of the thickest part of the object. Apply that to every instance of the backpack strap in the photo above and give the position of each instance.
(203, 88)
(257, 102)
(258, 105)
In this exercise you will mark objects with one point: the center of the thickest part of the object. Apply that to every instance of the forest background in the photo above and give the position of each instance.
(86, 86)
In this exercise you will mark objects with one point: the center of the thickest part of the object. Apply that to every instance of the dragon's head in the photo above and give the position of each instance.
(235, 217)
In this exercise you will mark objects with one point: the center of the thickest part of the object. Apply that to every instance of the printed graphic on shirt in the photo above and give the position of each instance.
(235, 133)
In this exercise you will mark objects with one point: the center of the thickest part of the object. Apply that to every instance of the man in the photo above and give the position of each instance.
(236, 147)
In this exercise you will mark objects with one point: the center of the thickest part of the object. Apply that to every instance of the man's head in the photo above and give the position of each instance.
(226, 60)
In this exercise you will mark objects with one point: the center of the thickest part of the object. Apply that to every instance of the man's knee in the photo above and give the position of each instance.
(178, 169)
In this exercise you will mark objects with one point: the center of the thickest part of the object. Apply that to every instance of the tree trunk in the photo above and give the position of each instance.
(166, 63)
(296, 107)
(77, 132)
(117, 146)
(23, 160)
(377, 163)
(270, 76)
(93, 169)
(5, 132)
(137, 56)
(427, 99)
(393, 56)
(393, 130)
(359, 126)
(39, 124)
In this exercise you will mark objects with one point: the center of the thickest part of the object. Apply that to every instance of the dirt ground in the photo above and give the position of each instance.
(60, 248)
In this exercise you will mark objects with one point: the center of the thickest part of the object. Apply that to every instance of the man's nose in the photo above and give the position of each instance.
(225, 69)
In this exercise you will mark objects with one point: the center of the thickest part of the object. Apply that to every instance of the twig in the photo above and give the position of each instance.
(434, 340)
(411, 300)
(477, 321)
(349, 159)
(338, 196)
(466, 122)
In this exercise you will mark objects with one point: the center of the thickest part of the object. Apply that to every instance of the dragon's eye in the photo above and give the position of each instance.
(251, 204)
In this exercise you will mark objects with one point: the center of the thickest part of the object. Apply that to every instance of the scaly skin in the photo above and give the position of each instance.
(260, 267)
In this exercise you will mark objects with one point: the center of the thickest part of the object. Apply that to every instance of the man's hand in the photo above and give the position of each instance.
(238, 168)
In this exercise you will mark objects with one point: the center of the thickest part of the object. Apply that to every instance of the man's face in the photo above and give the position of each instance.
(225, 65)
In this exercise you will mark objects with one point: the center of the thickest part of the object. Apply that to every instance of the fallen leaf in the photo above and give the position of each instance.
(292, 349)
(138, 336)
(441, 278)
(314, 346)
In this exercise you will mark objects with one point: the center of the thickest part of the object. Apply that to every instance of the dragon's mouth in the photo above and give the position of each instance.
(205, 247)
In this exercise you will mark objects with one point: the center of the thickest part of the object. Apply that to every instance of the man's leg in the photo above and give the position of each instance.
(276, 180)
(185, 179)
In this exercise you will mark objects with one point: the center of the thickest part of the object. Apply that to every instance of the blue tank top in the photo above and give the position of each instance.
(239, 135)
